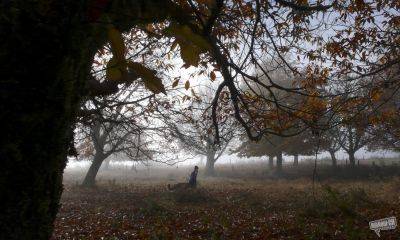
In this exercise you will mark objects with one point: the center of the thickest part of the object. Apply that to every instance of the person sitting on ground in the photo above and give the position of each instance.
(193, 177)
(184, 186)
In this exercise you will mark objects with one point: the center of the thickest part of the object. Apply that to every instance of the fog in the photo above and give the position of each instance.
(362, 154)
(200, 119)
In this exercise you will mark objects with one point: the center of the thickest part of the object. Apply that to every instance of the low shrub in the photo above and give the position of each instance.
(192, 195)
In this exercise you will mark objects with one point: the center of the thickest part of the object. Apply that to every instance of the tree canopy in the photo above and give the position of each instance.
(49, 49)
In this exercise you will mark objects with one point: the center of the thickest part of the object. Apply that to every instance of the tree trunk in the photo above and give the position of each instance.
(279, 161)
(352, 159)
(209, 171)
(333, 158)
(45, 60)
(296, 160)
(90, 178)
(271, 161)
(46, 55)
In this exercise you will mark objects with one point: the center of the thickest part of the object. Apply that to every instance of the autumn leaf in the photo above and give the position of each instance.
(375, 94)
(191, 44)
(150, 28)
(150, 80)
(212, 76)
(185, 33)
(116, 67)
(117, 43)
(175, 83)
(190, 54)
(113, 70)
(174, 44)
(187, 85)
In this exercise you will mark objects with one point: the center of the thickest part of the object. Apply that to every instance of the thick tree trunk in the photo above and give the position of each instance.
(46, 53)
(279, 161)
(44, 64)
(352, 159)
(209, 171)
(296, 160)
(90, 178)
(271, 161)
(333, 158)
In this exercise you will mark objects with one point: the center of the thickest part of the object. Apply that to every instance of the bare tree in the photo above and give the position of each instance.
(192, 128)
(116, 126)
(107, 141)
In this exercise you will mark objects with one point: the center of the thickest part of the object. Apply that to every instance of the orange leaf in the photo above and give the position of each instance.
(212, 76)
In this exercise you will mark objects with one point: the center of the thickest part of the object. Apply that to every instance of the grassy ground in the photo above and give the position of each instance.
(254, 205)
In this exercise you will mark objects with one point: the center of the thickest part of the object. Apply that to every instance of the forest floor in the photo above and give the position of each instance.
(229, 208)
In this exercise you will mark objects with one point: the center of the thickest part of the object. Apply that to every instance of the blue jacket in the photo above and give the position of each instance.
(192, 179)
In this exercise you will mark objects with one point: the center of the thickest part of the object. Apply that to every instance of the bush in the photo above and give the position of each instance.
(192, 195)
